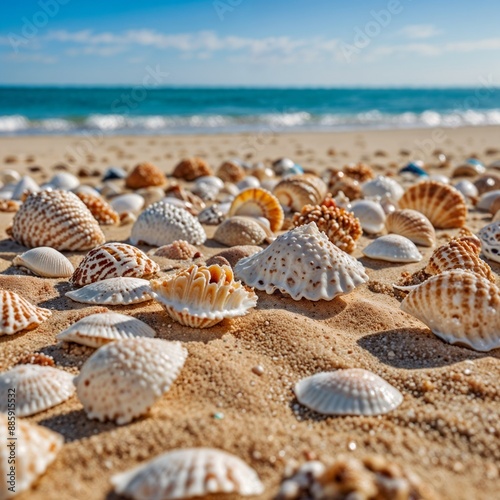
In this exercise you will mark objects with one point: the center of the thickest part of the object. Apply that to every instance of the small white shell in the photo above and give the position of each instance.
(487, 200)
(382, 186)
(467, 188)
(207, 187)
(393, 248)
(9, 176)
(25, 184)
(131, 202)
(65, 181)
(46, 262)
(490, 241)
(370, 214)
(85, 189)
(248, 182)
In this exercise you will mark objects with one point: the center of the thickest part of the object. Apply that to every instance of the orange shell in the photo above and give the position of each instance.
(100, 209)
(230, 171)
(178, 250)
(190, 169)
(145, 175)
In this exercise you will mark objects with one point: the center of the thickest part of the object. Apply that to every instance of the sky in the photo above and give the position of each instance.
(251, 42)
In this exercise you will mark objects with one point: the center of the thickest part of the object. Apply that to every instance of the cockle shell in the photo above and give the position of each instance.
(382, 186)
(302, 263)
(18, 314)
(295, 191)
(187, 473)
(101, 328)
(240, 230)
(460, 307)
(348, 392)
(201, 297)
(412, 225)
(57, 219)
(123, 379)
(490, 241)
(370, 214)
(393, 248)
(37, 388)
(131, 202)
(45, 262)
(100, 209)
(113, 260)
(145, 175)
(190, 169)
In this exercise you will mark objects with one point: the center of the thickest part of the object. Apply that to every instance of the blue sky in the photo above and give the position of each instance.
(251, 42)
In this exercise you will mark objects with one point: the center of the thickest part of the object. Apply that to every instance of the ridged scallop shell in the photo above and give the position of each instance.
(57, 219)
(45, 262)
(101, 210)
(348, 392)
(393, 248)
(123, 379)
(239, 230)
(113, 260)
(459, 307)
(145, 175)
(131, 202)
(296, 191)
(162, 224)
(178, 250)
(382, 186)
(302, 263)
(18, 314)
(412, 225)
(201, 297)
(99, 329)
(442, 204)
(37, 388)
(113, 292)
(490, 241)
(370, 214)
(188, 473)
(36, 448)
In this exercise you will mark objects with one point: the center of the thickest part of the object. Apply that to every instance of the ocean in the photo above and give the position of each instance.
(140, 110)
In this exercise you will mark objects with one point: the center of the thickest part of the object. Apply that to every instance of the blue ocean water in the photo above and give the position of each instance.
(139, 110)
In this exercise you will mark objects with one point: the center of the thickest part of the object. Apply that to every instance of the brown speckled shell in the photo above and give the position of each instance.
(359, 172)
(231, 172)
(339, 181)
(178, 250)
(145, 175)
(190, 169)
(100, 209)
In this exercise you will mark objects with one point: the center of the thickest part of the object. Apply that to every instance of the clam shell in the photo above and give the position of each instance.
(187, 473)
(412, 225)
(382, 186)
(487, 200)
(25, 185)
(248, 182)
(131, 202)
(348, 392)
(9, 176)
(37, 388)
(123, 379)
(240, 230)
(370, 214)
(65, 181)
(393, 248)
(490, 241)
(45, 262)
(295, 191)
(467, 189)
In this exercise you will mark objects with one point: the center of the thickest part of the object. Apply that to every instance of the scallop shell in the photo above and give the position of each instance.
(113, 292)
(18, 314)
(123, 379)
(459, 307)
(211, 215)
(295, 191)
(239, 230)
(393, 248)
(101, 210)
(162, 224)
(131, 202)
(348, 392)
(37, 388)
(113, 260)
(45, 262)
(99, 329)
(187, 473)
(201, 297)
(490, 241)
(370, 214)
(191, 168)
(178, 250)
(412, 225)
(302, 263)
(57, 219)
(382, 186)
(145, 175)
(442, 204)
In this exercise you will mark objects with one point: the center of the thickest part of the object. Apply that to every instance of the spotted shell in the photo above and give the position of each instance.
(125, 203)
(460, 307)
(201, 297)
(123, 379)
(392, 248)
(382, 186)
(490, 241)
(187, 473)
(45, 262)
(113, 260)
(211, 215)
(57, 219)
(295, 191)
(240, 230)
(145, 175)
(348, 392)
(191, 168)
(231, 171)
(178, 250)
(370, 214)
(412, 225)
(37, 388)
(100, 209)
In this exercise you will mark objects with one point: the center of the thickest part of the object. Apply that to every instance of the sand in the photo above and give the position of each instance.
(447, 429)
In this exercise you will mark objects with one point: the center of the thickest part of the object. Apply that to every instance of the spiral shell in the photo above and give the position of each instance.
(191, 168)
(145, 175)
(295, 191)
(412, 225)
(100, 209)
(45, 262)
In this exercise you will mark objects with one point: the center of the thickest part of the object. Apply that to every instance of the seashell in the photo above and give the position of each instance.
(151, 194)
(443, 179)
(264, 174)
(113, 260)
(234, 254)
(382, 186)
(211, 216)
(178, 250)
(18, 314)
(187, 473)
(193, 203)
(393, 248)
(6, 193)
(414, 168)
(486, 201)
(99, 329)
(113, 292)
(37, 448)
(257, 202)
(85, 189)
(25, 185)
(495, 206)
(285, 166)
(114, 173)
(340, 182)
(45, 262)
(442, 204)
(231, 171)
(162, 224)
(295, 191)
(127, 218)
(412, 225)
(348, 392)
(370, 215)
(111, 189)
(191, 168)
(64, 181)
(490, 241)
(201, 297)
(488, 182)
(101, 210)
(145, 175)
(302, 263)
(56, 219)
(9, 206)
(470, 168)
(248, 182)
(9, 176)
(359, 172)
(496, 217)
(123, 379)
(467, 189)
(239, 230)
(207, 187)
(37, 388)
(459, 307)
(342, 201)
(131, 202)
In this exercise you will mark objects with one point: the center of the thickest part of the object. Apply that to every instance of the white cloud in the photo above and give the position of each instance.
(36, 58)
(419, 31)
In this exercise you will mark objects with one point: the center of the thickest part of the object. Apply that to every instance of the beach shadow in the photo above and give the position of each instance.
(378, 265)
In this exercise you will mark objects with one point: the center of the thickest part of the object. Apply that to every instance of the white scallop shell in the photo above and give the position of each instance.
(382, 186)
(113, 292)
(490, 241)
(393, 248)
(487, 200)
(46, 262)
(25, 184)
(123, 379)
(348, 392)
(370, 214)
(64, 180)
(101, 328)
(131, 202)
(187, 473)
(37, 388)
(467, 188)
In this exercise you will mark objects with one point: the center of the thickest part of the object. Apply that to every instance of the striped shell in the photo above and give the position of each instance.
(187, 473)
(295, 191)
(99, 329)
(45, 262)
(393, 248)
(490, 241)
(37, 388)
(123, 379)
(113, 260)
(348, 392)
(145, 175)
(412, 225)
(370, 214)
(201, 297)
(239, 230)
(57, 219)
(101, 210)
(442, 204)
(459, 307)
